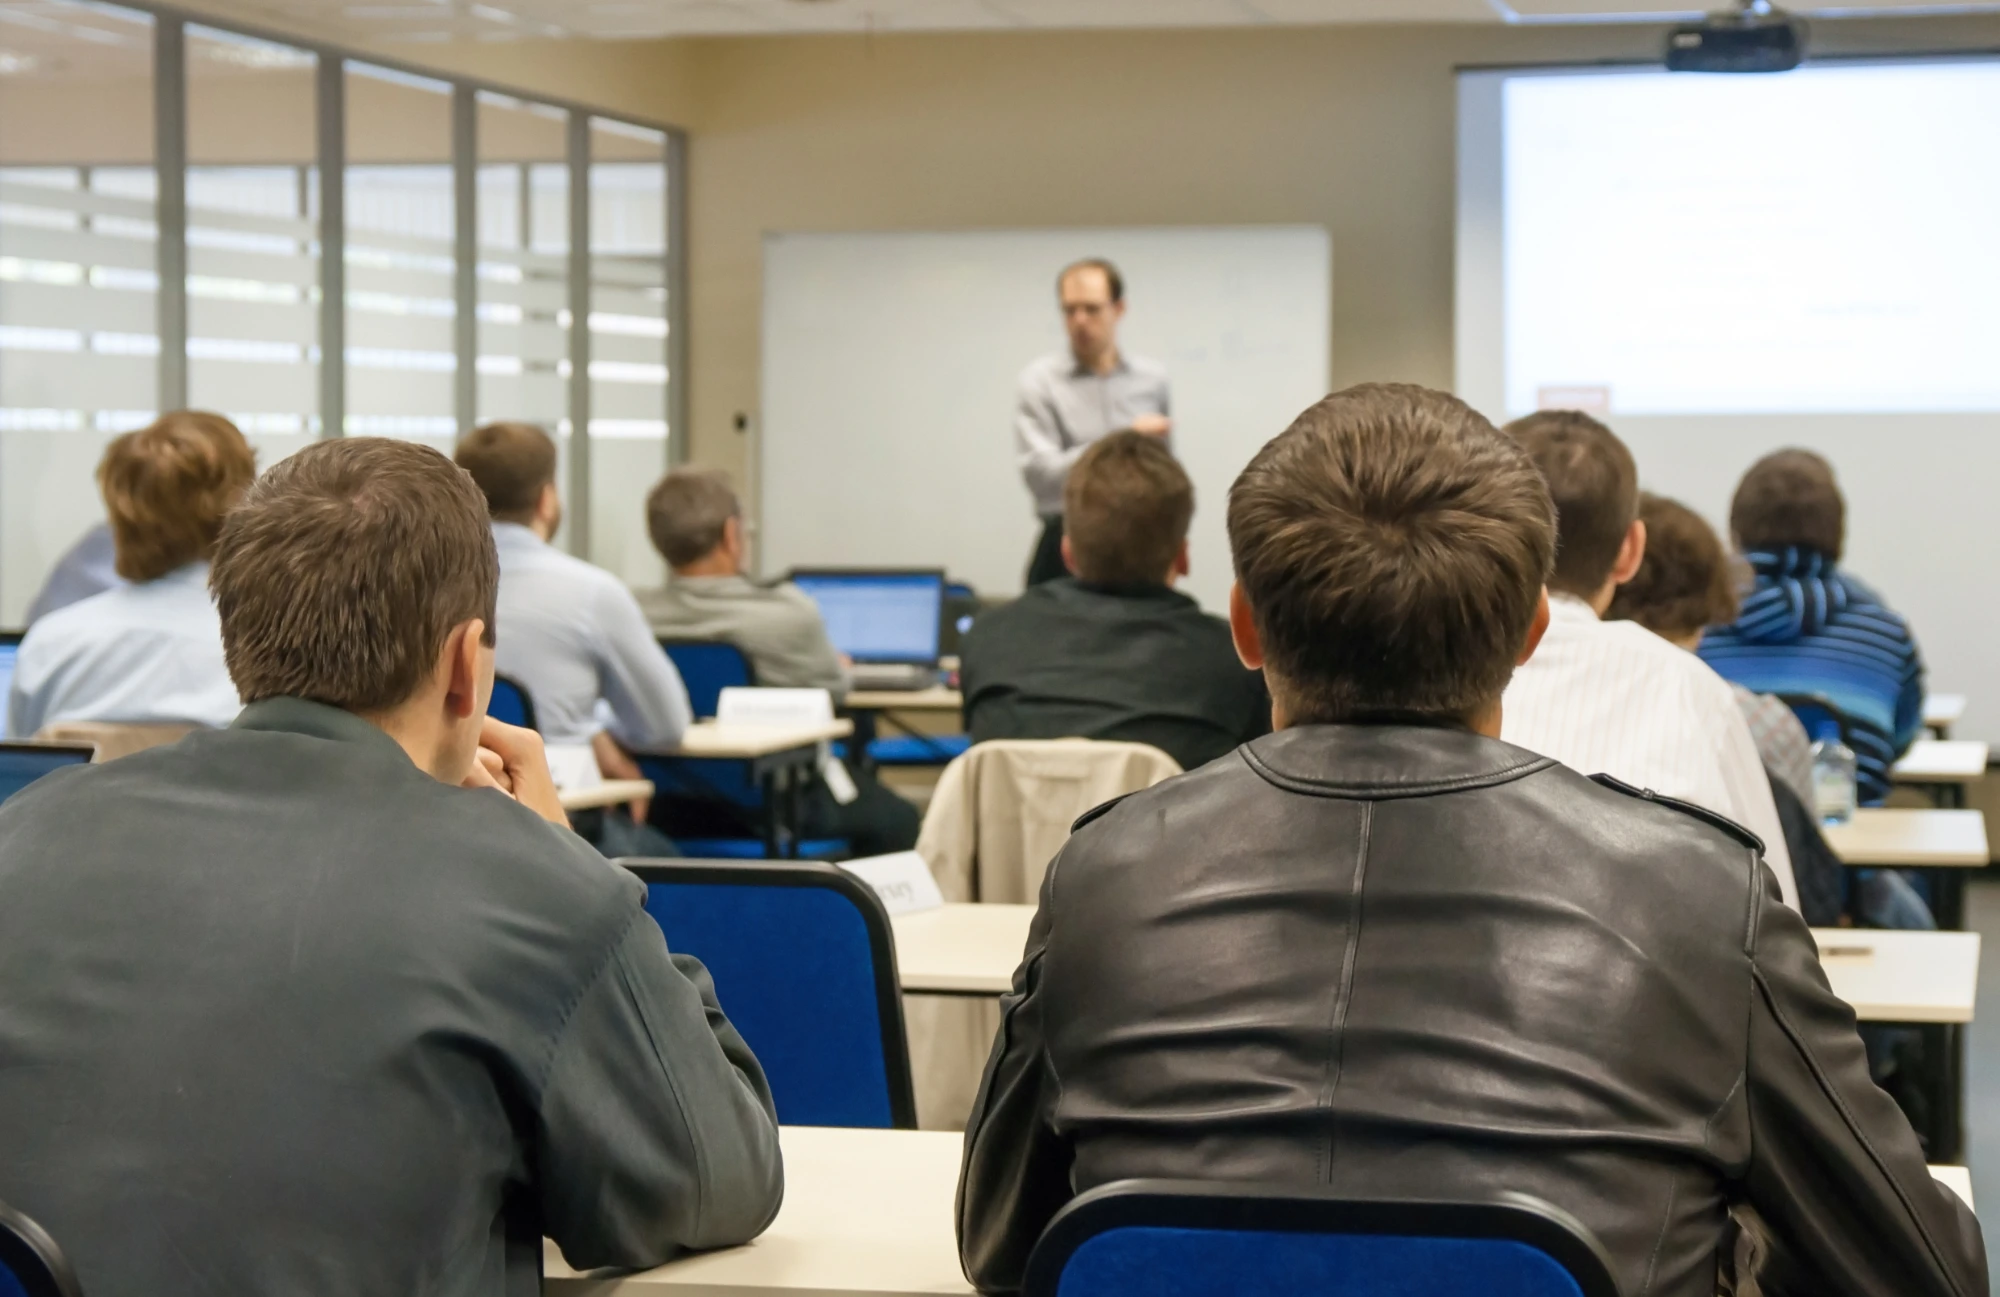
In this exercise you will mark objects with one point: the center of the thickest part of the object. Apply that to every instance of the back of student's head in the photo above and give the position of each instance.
(1686, 582)
(512, 464)
(1595, 486)
(1392, 546)
(687, 513)
(166, 488)
(1126, 509)
(1788, 498)
(345, 569)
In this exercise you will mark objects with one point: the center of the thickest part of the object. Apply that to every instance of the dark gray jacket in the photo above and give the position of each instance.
(1419, 963)
(283, 1014)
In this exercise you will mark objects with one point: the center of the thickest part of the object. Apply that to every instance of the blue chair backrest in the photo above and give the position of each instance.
(805, 966)
(31, 1265)
(708, 667)
(1171, 1238)
(511, 704)
(22, 764)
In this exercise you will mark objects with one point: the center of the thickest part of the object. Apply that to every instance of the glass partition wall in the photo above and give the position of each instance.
(318, 245)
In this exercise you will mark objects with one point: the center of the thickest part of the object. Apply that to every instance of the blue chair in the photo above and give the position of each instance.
(918, 749)
(31, 1265)
(511, 704)
(707, 667)
(22, 764)
(805, 966)
(1183, 1238)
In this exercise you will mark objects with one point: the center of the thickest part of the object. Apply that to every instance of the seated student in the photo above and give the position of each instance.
(1113, 651)
(330, 1001)
(570, 633)
(1807, 627)
(697, 525)
(1684, 585)
(147, 652)
(1383, 953)
(1611, 697)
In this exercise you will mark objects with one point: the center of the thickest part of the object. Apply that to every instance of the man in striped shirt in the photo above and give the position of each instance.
(1807, 628)
(1612, 697)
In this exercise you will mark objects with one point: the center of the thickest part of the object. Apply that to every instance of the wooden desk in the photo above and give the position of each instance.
(781, 760)
(1912, 977)
(961, 949)
(612, 792)
(935, 699)
(1929, 980)
(1943, 767)
(714, 741)
(868, 1213)
(1944, 844)
(1911, 838)
(1957, 1179)
(1942, 711)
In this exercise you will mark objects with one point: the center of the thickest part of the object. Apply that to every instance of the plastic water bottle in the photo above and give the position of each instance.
(1834, 792)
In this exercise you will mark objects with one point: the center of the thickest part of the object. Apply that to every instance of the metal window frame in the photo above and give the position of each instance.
(170, 82)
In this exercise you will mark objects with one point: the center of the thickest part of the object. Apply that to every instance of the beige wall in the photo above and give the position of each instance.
(1352, 128)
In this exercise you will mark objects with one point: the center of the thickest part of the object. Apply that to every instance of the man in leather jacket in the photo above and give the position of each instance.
(1380, 950)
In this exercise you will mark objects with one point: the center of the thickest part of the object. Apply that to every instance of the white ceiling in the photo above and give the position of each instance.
(502, 20)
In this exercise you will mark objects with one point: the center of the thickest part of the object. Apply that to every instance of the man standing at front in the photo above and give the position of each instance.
(1072, 398)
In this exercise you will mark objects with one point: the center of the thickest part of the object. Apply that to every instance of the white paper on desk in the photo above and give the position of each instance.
(774, 707)
(903, 881)
(573, 766)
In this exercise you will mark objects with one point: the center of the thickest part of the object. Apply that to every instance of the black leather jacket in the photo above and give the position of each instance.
(1421, 963)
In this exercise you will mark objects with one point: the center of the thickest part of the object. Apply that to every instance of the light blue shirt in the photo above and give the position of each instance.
(572, 635)
(149, 653)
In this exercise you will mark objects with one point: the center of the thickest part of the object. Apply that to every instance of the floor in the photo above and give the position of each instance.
(1982, 1064)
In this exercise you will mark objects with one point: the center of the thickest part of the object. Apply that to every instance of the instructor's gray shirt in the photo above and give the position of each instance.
(284, 1014)
(1062, 407)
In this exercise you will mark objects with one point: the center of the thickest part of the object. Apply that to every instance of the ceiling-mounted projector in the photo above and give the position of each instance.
(1756, 36)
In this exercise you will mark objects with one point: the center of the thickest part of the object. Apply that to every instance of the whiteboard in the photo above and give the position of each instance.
(889, 372)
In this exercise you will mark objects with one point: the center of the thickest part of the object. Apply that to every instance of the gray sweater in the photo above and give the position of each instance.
(286, 1015)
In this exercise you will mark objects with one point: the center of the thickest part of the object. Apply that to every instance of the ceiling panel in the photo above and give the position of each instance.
(419, 21)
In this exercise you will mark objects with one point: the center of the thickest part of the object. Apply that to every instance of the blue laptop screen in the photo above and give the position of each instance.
(19, 768)
(879, 616)
(8, 652)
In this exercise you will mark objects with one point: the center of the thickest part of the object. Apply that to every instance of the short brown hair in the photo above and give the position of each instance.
(511, 462)
(1595, 486)
(1686, 582)
(1392, 547)
(1113, 281)
(687, 513)
(1789, 497)
(344, 570)
(166, 488)
(1126, 509)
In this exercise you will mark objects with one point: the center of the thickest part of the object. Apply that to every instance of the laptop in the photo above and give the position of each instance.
(888, 621)
(10, 648)
(22, 764)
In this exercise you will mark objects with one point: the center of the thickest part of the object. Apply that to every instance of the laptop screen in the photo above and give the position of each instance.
(9, 650)
(879, 616)
(21, 766)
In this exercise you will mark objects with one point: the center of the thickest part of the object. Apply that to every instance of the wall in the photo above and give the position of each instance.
(1347, 127)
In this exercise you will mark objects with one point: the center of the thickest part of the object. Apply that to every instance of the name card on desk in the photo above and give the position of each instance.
(774, 707)
(573, 767)
(902, 881)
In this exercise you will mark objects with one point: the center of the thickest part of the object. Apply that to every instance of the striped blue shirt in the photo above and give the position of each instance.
(1808, 628)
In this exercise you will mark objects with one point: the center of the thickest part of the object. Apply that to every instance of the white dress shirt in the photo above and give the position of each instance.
(1060, 408)
(1613, 698)
(572, 635)
(145, 654)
